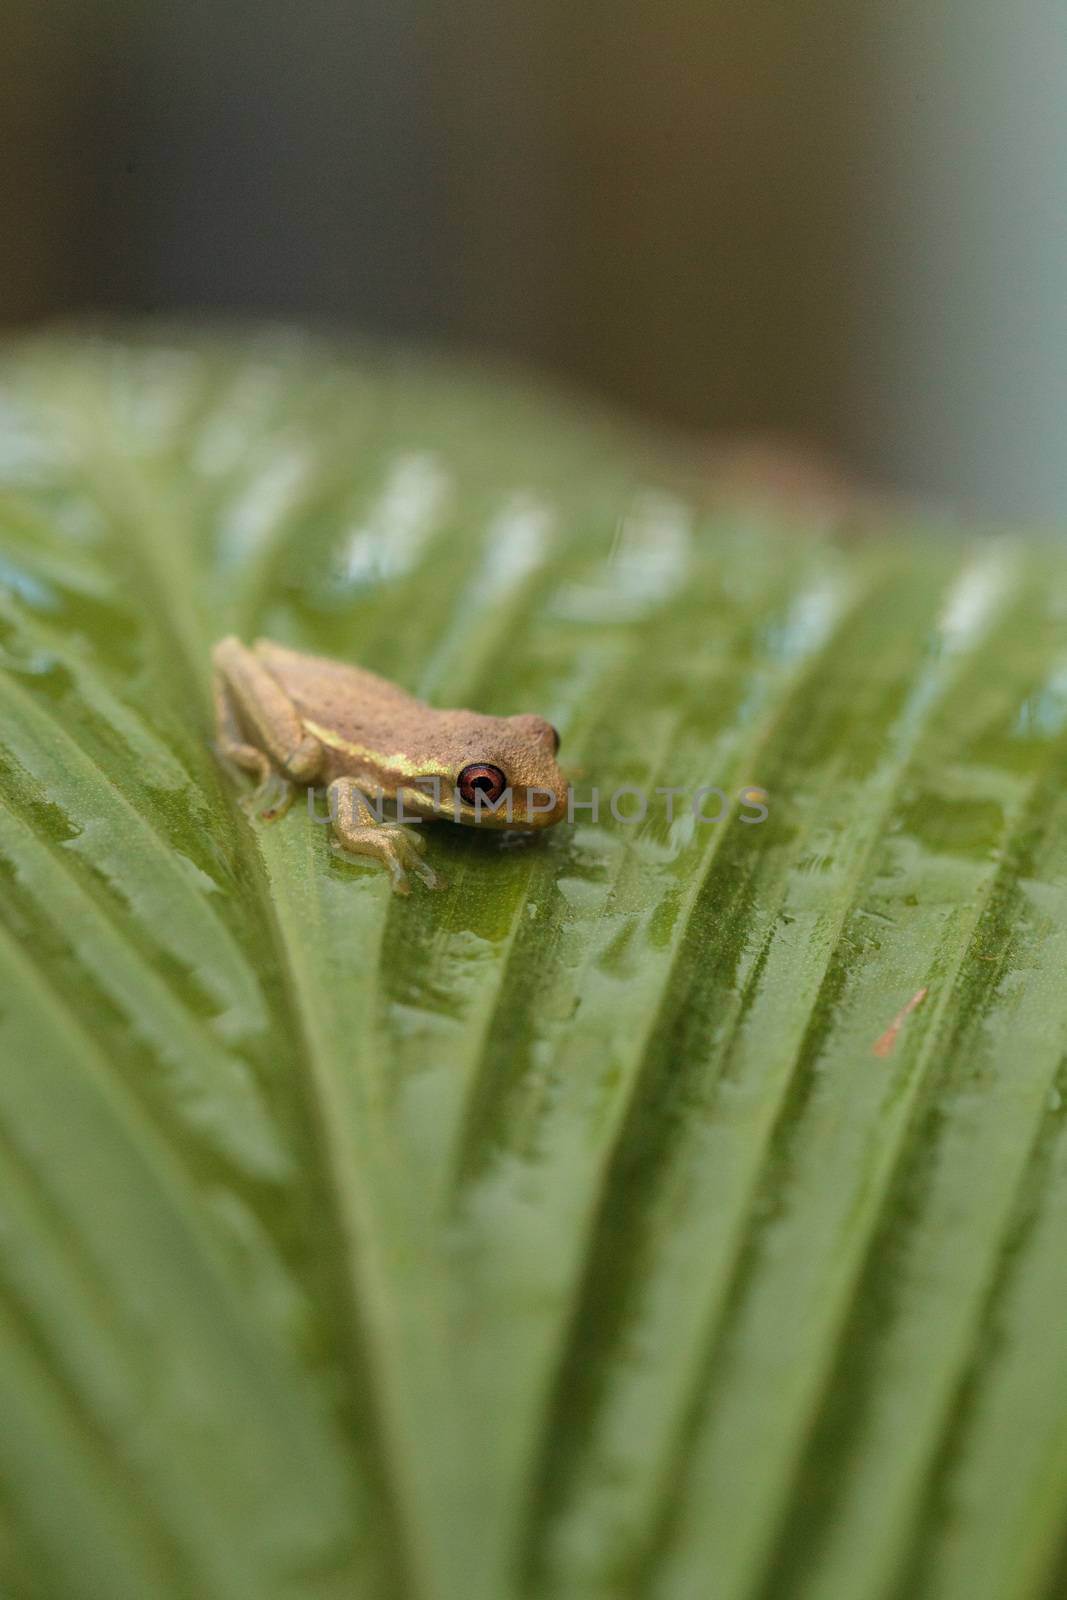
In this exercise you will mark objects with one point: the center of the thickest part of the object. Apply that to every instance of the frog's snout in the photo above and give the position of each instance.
(543, 805)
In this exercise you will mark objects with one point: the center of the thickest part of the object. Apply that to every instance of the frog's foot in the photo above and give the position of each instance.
(358, 833)
(273, 794)
(396, 848)
(271, 799)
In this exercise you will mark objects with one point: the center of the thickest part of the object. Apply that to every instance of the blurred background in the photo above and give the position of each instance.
(843, 223)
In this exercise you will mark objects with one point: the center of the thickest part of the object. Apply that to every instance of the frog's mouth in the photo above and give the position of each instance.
(532, 808)
(513, 808)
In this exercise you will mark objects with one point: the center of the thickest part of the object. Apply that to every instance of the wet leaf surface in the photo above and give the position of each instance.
(668, 1209)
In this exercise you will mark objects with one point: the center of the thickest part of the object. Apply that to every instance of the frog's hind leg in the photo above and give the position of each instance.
(358, 830)
(251, 704)
(272, 795)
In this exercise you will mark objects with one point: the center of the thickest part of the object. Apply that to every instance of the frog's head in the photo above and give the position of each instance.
(486, 764)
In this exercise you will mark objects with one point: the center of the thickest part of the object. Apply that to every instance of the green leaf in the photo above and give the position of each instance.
(669, 1209)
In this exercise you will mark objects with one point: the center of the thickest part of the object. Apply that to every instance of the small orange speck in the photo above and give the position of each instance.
(889, 1038)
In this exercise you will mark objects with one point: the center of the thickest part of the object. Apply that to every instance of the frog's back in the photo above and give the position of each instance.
(356, 704)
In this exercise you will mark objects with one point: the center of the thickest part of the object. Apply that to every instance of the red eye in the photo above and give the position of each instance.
(481, 779)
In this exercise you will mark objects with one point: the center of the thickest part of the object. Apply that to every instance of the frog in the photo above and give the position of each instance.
(292, 720)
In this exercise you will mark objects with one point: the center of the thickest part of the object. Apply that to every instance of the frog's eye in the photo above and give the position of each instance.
(480, 778)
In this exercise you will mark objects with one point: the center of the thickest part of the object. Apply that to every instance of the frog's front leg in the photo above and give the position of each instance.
(259, 730)
(359, 831)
